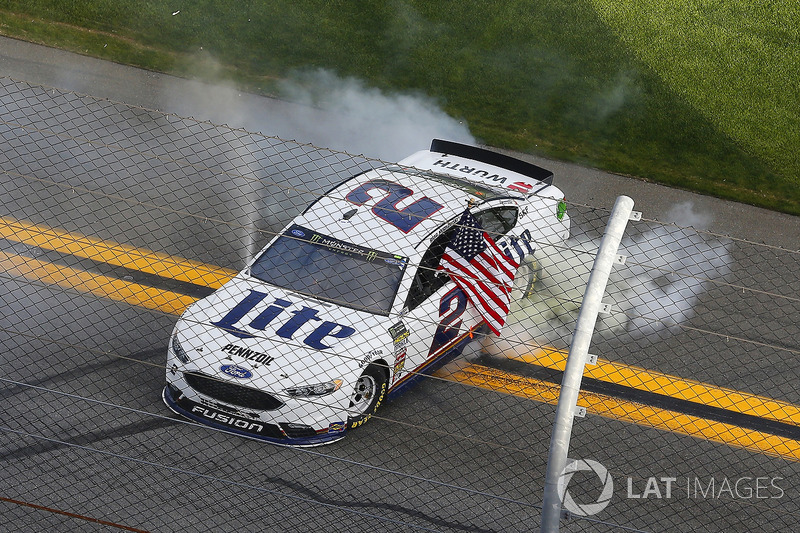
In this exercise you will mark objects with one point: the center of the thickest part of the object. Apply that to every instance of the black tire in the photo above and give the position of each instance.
(368, 395)
(528, 273)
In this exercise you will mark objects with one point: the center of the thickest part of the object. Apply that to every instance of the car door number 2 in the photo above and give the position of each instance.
(451, 307)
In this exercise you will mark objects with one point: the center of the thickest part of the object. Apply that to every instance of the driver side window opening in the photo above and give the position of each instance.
(496, 222)
(499, 221)
(428, 280)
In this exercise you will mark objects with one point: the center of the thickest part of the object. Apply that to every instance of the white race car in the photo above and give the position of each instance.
(345, 306)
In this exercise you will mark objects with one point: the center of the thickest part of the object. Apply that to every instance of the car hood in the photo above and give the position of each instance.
(272, 334)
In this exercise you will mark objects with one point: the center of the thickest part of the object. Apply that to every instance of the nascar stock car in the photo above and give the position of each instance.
(345, 305)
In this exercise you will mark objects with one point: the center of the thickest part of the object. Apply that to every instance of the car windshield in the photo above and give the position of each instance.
(328, 269)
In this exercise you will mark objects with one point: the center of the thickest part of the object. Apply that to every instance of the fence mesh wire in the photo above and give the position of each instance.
(115, 218)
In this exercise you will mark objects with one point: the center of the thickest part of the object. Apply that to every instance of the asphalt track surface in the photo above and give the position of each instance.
(86, 438)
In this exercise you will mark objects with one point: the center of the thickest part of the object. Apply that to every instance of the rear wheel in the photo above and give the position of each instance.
(528, 273)
(368, 394)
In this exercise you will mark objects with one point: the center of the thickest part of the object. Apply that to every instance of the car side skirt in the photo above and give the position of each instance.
(444, 356)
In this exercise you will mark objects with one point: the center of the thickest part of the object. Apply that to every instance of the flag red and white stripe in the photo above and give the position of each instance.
(482, 270)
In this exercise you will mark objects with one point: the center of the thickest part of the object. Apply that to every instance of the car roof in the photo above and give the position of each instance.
(339, 215)
(396, 207)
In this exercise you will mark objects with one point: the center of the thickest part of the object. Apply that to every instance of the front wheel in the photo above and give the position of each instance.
(368, 394)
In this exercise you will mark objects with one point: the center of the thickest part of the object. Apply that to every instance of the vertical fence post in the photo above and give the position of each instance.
(576, 361)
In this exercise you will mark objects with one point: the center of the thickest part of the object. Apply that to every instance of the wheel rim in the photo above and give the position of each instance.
(520, 285)
(363, 393)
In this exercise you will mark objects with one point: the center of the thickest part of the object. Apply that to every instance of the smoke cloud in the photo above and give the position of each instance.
(323, 109)
(366, 120)
(668, 268)
(317, 108)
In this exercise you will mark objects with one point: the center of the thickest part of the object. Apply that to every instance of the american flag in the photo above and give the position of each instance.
(482, 270)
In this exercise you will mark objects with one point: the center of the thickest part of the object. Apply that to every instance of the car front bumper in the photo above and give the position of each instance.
(227, 419)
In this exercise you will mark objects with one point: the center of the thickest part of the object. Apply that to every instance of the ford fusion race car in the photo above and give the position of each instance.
(345, 306)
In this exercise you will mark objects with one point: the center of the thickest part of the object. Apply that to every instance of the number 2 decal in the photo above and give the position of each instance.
(386, 208)
(450, 319)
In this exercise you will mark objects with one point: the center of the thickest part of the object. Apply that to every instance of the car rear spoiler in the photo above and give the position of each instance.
(492, 158)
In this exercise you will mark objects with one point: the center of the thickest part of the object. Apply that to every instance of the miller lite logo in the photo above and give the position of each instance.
(231, 322)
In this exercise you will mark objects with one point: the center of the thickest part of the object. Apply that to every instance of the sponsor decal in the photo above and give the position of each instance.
(228, 420)
(347, 249)
(471, 171)
(341, 246)
(247, 353)
(336, 427)
(236, 371)
(369, 356)
(400, 361)
(399, 332)
(521, 245)
(520, 186)
(561, 209)
(300, 317)
(298, 233)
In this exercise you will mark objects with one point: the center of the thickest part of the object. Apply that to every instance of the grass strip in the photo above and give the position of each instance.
(695, 96)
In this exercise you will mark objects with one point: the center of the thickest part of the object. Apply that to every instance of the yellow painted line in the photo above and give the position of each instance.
(114, 254)
(672, 386)
(617, 409)
(103, 286)
(212, 276)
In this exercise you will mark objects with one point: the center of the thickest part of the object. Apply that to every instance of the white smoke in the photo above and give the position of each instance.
(671, 267)
(320, 108)
(316, 107)
(667, 270)
(364, 120)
